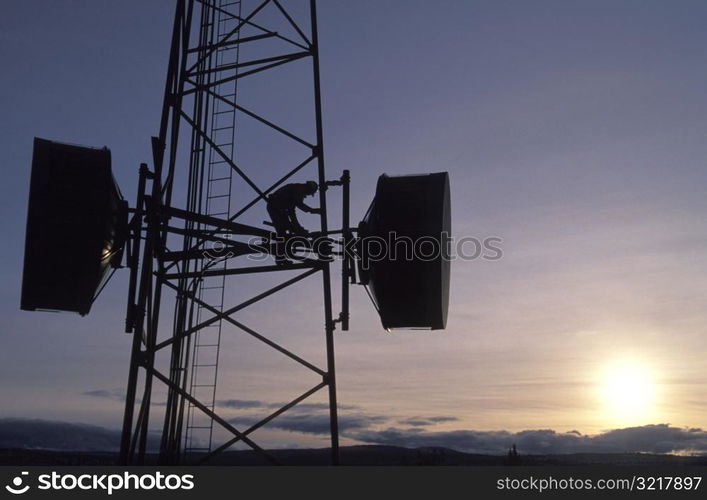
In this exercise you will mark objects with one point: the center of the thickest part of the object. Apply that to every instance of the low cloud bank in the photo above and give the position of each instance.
(659, 438)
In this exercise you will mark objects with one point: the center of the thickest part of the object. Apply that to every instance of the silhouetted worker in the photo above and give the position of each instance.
(282, 203)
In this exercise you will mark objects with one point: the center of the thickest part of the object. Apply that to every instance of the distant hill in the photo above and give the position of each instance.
(358, 455)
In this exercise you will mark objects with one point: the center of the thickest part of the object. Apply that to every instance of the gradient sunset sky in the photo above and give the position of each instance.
(572, 130)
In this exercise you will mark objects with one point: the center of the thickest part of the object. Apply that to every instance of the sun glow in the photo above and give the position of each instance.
(627, 392)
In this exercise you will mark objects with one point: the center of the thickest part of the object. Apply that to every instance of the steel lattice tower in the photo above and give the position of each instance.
(187, 248)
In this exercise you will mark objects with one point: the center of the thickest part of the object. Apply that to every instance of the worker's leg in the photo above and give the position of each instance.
(281, 223)
(279, 219)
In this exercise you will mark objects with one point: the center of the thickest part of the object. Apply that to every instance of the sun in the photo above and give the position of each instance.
(627, 392)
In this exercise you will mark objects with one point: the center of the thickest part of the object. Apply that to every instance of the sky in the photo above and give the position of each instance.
(571, 130)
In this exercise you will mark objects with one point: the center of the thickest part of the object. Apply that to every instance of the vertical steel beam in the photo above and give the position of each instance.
(326, 274)
(345, 261)
(134, 240)
(140, 333)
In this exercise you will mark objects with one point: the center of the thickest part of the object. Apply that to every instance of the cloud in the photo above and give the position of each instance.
(425, 421)
(63, 436)
(660, 438)
(117, 395)
(233, 404)
(240, 404)
(247, 404)
(314, 423)
(315, 406)
(113, 395)
(657, 439)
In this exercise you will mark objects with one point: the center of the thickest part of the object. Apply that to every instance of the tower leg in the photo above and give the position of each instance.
(128, 415)
(331, 369)
(329, 320)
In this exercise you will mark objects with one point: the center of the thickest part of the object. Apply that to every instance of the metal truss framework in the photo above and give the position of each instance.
(159, 269)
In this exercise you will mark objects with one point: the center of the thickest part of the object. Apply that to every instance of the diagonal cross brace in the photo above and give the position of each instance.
(255, 334)
(214, 416)
(221, 153)
(228, 35)
(264, 421)
(242, 305)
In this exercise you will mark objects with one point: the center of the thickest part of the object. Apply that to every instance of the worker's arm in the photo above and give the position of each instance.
(306, 208)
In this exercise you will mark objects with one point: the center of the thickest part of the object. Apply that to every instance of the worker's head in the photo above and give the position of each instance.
(312, 187)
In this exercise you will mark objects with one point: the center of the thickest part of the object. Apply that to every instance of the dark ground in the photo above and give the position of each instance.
(358, 455)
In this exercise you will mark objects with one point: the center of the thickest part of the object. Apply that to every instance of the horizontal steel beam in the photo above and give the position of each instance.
(237, 41)
(230, 226)
(254, 62)
(241, 270)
